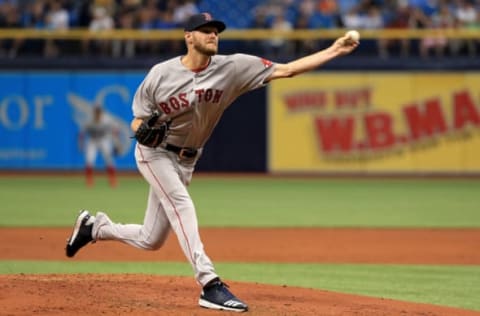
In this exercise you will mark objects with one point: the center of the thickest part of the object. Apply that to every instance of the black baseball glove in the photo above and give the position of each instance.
(151, 134)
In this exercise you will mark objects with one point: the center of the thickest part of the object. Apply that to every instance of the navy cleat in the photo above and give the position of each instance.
(216, 295)
(81, 234)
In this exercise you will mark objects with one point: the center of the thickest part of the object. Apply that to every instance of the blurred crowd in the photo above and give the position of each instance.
(147, 15)
(95, 15)
(374, 14)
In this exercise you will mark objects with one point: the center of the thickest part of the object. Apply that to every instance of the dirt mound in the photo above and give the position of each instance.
(134, 294)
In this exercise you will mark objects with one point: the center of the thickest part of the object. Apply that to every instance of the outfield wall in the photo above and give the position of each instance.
(389, 122)
(325, 122)
(41, 113)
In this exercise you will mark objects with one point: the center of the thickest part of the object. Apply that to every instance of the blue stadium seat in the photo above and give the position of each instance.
(236, 14)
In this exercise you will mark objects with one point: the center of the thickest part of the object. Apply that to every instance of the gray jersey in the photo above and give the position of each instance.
(195, 101)
(105, 127)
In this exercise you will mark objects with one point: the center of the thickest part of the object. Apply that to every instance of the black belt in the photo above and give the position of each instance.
(182, 152)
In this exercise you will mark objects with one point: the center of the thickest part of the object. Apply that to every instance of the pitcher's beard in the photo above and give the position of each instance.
(206, 50)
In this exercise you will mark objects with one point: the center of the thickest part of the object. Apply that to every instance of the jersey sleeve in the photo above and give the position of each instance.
(251, 71)
(143, 100)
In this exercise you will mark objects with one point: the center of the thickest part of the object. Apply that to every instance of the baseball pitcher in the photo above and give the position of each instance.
(175, 109)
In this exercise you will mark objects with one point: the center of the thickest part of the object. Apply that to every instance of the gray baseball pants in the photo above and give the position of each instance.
(169, 207)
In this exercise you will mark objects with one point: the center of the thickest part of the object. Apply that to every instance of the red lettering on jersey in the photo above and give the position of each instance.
(165, 108)
(267, 63)
(208, 95)
(216, 97)
(183, 98)
(174, 103)
(199, 94)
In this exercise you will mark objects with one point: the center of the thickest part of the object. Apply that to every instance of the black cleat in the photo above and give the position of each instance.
(81, 234)
(216, 295)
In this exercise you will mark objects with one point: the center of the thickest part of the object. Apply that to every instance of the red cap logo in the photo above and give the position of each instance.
(207, 16)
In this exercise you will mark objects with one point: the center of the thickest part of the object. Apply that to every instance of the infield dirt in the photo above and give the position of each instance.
(134, 294)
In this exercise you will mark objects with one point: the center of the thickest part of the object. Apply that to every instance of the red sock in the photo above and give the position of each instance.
(111, 176)
(89, 176)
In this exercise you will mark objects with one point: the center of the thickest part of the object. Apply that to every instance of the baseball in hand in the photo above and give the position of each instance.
(353, 35)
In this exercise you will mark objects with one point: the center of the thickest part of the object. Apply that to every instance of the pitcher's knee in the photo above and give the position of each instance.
(150, 242)
(148, 245)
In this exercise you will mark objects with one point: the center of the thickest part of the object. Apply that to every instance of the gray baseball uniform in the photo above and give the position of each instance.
(194, 102)
(99, 136)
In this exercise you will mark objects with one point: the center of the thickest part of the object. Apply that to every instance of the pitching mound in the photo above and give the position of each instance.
(133, 294)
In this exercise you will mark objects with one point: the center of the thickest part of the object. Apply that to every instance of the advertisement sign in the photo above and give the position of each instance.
(375, 122)
(41, 114)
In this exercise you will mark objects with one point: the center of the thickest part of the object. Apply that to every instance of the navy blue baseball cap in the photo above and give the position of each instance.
(203, 19)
